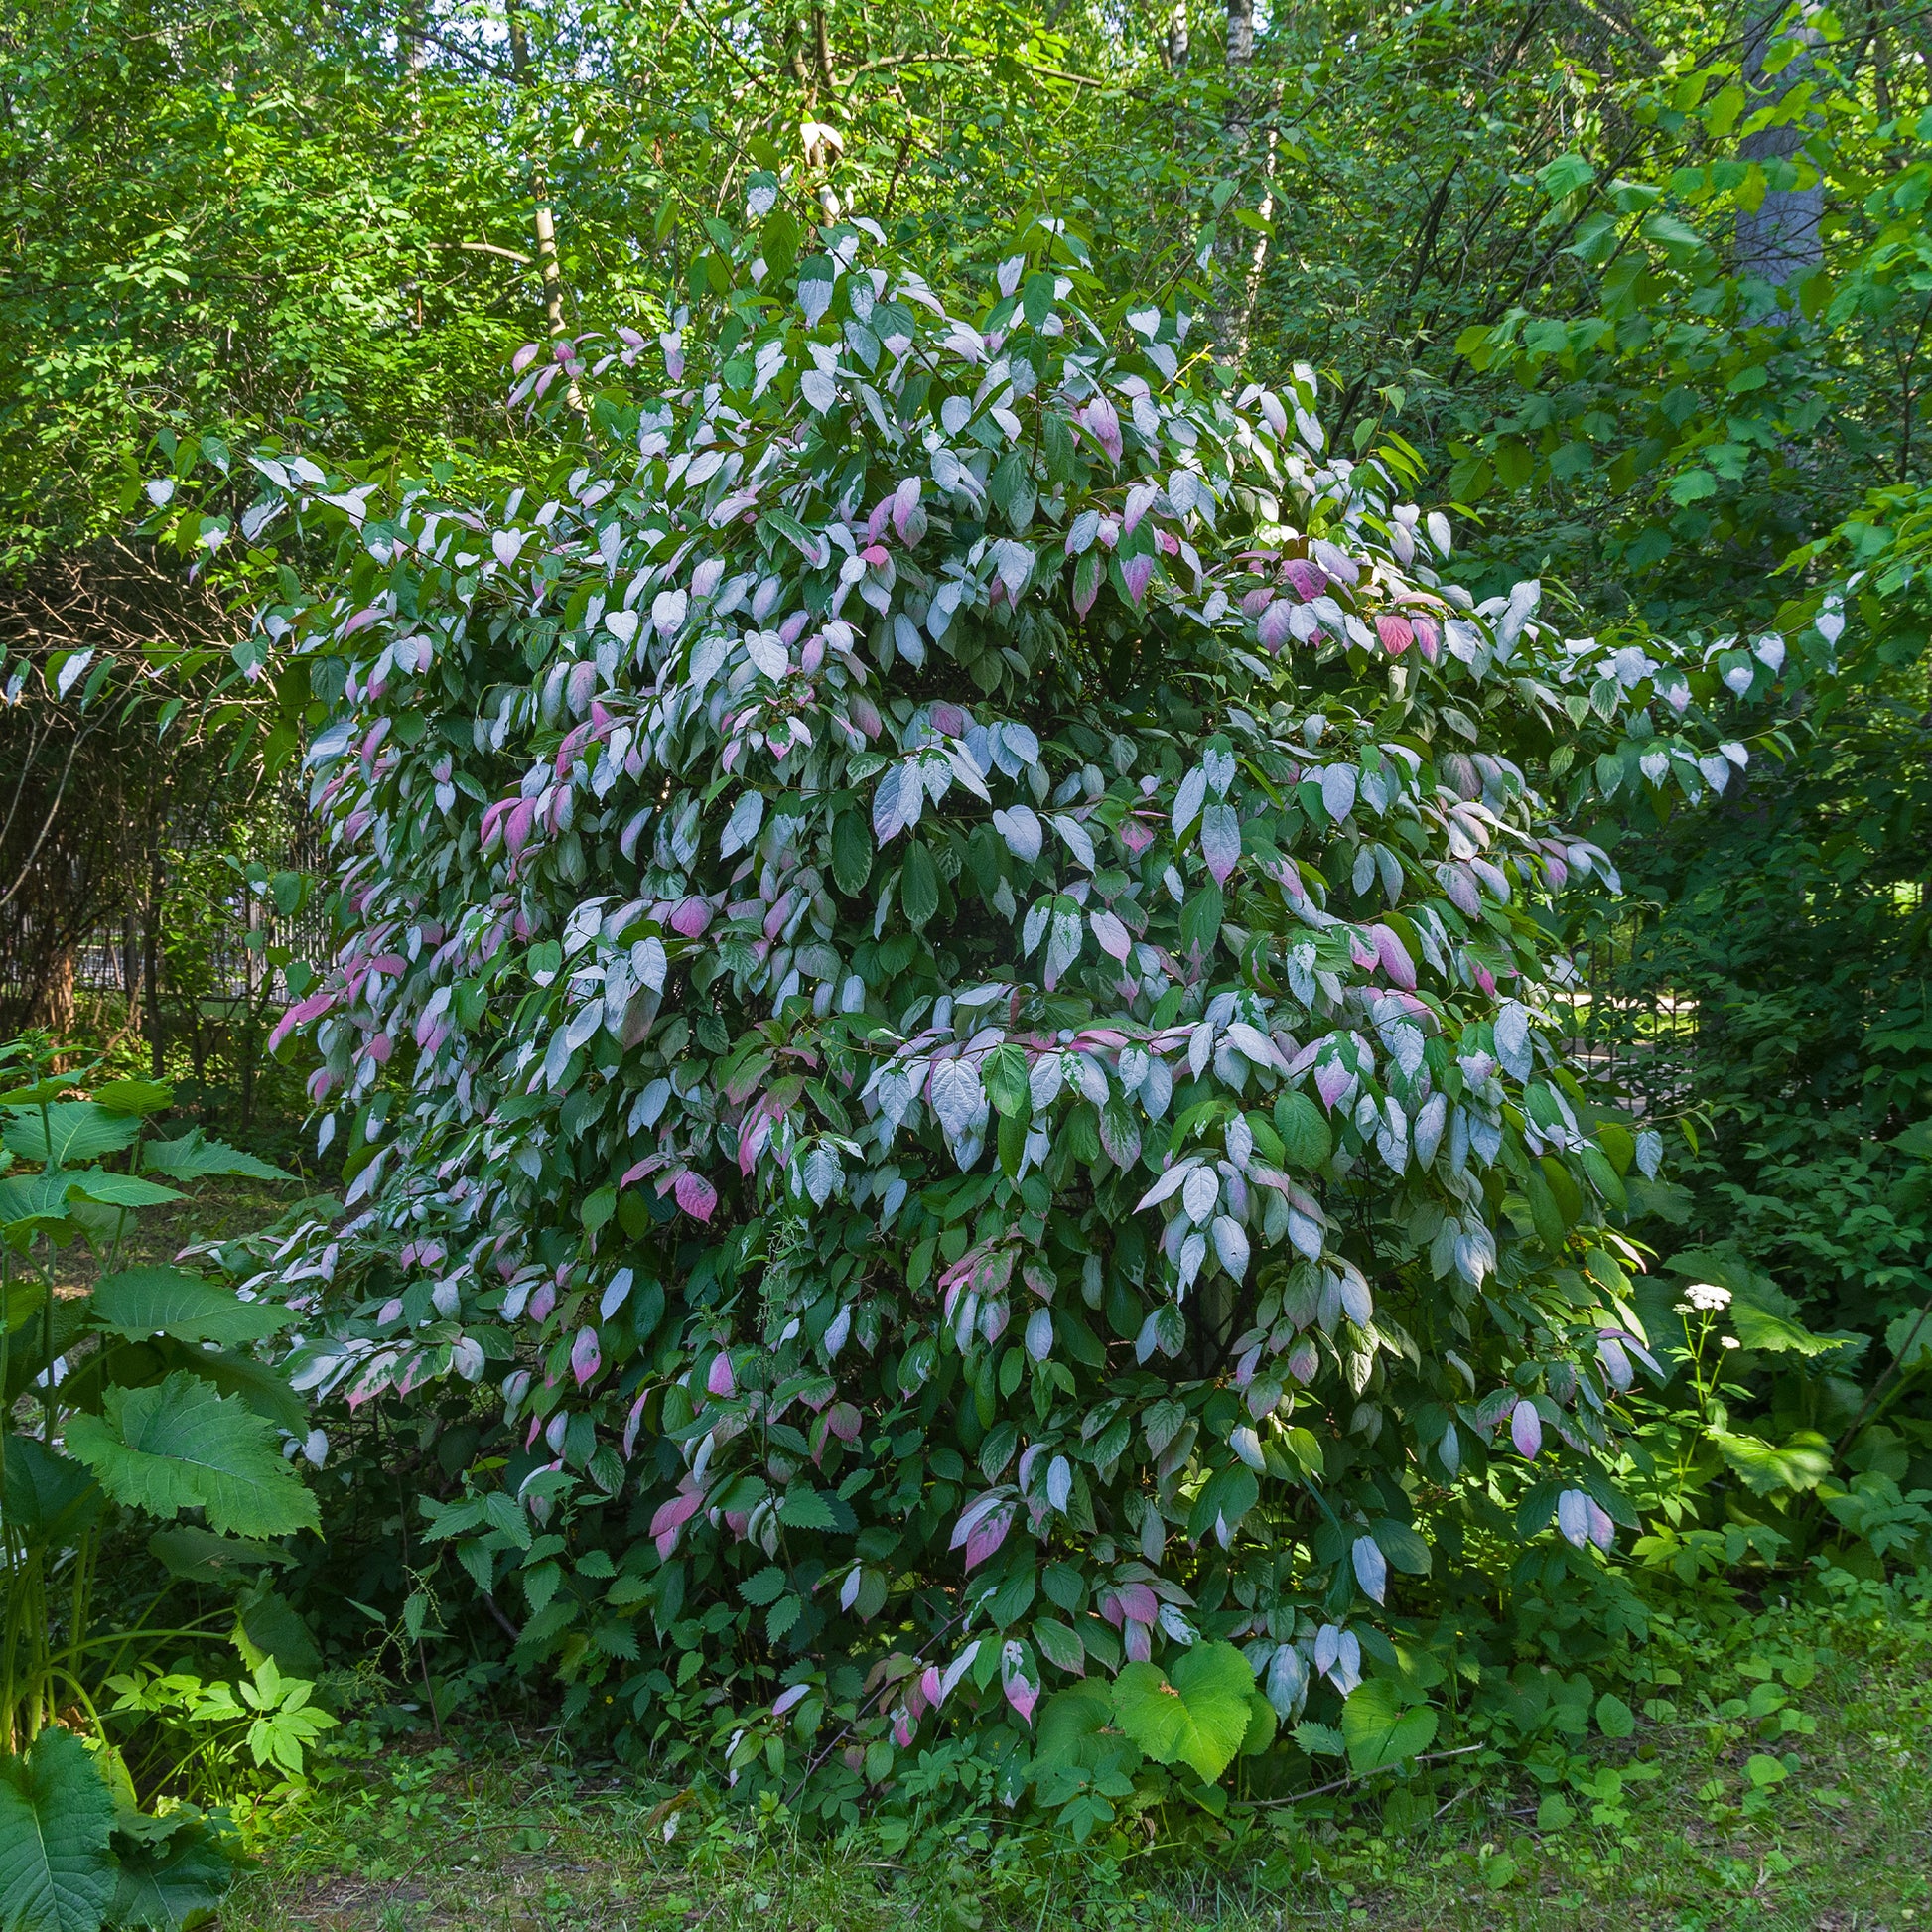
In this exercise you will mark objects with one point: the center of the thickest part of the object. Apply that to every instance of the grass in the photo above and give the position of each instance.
(1718, 1813)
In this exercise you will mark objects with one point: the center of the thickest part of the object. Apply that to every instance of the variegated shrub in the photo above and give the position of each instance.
(941, 1002)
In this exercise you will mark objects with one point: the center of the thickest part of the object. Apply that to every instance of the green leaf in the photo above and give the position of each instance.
(48, 1499)
(200, 1556)
(918, 885)
(1306, 1139)
(76, 1132)
(764, 1586)
(57, 1820)
(803, 1509)
(193, 1156)
(1772, 1335)
(1615, 1718)
(142, 1301)
(180, 1444)
(263, 1388)
(1679, 241)
(1565, 174)
(172, 1883)
(1800, 1463)
(1070, 1725)
(1198, 1719)
(1060, 1646)
(139, 1097)
(1916, 1140)
(1262, 1726)
(851, 853)
(116, 1190)
(27, 1199)
(1379, 1732)
(1910, 1340)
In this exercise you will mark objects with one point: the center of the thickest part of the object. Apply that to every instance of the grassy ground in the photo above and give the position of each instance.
(1813, 1816)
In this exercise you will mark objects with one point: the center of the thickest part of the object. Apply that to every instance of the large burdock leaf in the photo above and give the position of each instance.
(143, 1302)
(180, 1444)
(1379, 1732)
(1198, 1719)
(57, 1871)
(73, 1132)
(171, 1878)
(47, 1500)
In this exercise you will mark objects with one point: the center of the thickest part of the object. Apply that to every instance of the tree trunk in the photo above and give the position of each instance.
(543, 221)
(1778, 241)
(1241, 33)
(151, 959)
(1178, 38)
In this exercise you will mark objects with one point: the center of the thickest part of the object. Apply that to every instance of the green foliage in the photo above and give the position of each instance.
(135, 1418)
(180, 1444)
(1185, 1016)
(56, 1870)
(1197, 1716)
(1381, 1728)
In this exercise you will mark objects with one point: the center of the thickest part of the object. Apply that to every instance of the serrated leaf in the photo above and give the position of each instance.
(195, 1156)
(1801, 1462)
(142, 1301)
(1378, 1730)
(73, 1132)
(1199, 1718)
(803, 1509)
(57, 1820)
(48, 1499)
(1319, 1740)
(176, 1882)
(763, 1586)
(114, 1189)
(182, 1445)
(134, 1096)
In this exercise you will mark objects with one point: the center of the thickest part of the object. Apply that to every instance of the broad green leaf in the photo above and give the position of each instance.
(69, 1134)
(48, 1499)
(200, 1556)
(57, 1819)
(1306, 1139)
(142, 1301)
(1910, 1340)
(1615, 1718)
(1800, 1463)
(803, 1509)
(174, 1881)
(26, 1200)
(193, 1156)
(1916, 1140)
(1070, 1724)
(139, 1097)
(115, 1189)
(1773, 1334)
(1379, 1731)
(182, 1445)
(1199, 1718)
